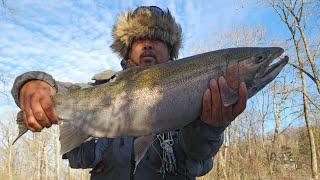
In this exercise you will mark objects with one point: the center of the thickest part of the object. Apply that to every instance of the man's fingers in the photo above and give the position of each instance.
(220, 115)
(25, 122)
(240, 106)
(36, 104)
(38, 112)
(216, 100)
(21, 100)
(206, 106)
(227, 115)
(31, 120)
(48, 107)
(24, 101)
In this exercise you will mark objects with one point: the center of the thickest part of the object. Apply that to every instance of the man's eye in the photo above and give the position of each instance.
(158, 41)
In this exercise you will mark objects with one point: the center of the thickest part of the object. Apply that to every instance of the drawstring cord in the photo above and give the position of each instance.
(168, 159)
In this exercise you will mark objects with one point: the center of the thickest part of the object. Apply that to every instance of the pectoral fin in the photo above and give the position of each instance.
(228, 96)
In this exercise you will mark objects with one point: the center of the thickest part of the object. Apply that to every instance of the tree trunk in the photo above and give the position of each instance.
(58, 159)
(37, 152)
(84, 175)
(285, 10)
(223, 165)
(309, 56)
(226, 151)
(70, 173)
(274, 147)
(45, 162)
(314, 165)
(10, 162)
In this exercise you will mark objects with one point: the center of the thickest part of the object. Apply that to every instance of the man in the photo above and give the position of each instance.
(144, 37)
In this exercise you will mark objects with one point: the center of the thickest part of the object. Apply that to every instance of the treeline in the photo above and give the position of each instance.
(258, 158)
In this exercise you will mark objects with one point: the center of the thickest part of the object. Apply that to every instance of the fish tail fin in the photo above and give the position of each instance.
(71, 136)
(21, 126)
(141, 146)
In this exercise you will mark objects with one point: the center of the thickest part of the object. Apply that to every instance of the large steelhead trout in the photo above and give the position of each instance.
(143, 101)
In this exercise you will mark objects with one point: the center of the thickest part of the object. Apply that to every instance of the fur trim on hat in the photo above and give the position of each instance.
(146, 24)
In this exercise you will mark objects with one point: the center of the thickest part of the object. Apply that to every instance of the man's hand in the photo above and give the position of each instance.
(37, 105)
(213, 111)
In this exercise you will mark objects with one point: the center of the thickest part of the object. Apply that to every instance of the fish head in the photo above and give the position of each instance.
(255, 67)
(259, 68)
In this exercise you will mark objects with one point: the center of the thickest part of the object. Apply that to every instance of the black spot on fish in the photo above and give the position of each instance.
(106, 102)
(110, 125)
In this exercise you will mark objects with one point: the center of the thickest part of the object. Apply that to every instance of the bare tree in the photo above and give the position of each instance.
(3, 85)
(4, 6)
(280, 95)
(10, 152)
(292, 13)
(58, 158)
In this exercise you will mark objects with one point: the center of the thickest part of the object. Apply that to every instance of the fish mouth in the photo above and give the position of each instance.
(270, 73)
(275, 68)
(274, 53)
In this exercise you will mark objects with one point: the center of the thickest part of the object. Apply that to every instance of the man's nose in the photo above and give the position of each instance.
(147, 45)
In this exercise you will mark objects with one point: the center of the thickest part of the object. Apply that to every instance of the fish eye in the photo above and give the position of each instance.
(259, 58)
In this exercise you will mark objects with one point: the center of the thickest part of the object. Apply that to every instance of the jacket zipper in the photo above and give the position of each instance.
(133, 163)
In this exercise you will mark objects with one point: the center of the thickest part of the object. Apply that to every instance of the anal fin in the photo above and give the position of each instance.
(71, 137)
(141, 146)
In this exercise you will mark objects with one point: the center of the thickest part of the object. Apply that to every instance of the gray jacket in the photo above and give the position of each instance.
(194, 145)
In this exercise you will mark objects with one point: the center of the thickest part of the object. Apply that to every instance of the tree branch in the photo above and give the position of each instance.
(300, 11)
(317, 51)
(304, 71)
(291, 11)
(311, 101)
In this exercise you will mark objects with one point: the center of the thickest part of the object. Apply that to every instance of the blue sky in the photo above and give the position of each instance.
(71, 39)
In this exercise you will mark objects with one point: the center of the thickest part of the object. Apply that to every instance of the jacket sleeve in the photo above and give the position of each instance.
(29, 76)
(201, 141)
(38, 75)
(88, 154)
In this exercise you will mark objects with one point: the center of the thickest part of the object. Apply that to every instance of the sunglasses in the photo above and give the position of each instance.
(154, 9)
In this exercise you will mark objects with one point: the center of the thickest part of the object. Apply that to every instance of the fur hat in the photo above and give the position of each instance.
(146, 22)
